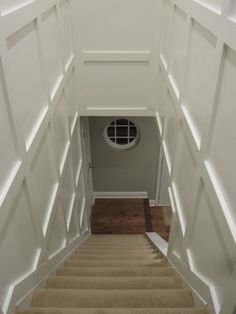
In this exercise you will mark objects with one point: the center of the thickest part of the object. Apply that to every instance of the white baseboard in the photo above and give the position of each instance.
(164, 204)
(158, 242)
(23, 290)
(201, 290)
(152, 203)
(190, 279)
(138, 194)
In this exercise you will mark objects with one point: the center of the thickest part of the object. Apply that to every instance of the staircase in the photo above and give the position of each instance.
(114, 274)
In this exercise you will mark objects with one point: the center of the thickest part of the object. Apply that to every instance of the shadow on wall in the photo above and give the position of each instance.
(132, 170)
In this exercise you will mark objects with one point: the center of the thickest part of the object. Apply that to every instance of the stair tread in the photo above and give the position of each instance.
(126, 242)
(115, 256)
(114, 274)
(116, 251)
(113, 298)
(71, 282)
(112, 311)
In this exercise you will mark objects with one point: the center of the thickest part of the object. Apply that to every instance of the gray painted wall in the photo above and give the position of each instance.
(125, 171)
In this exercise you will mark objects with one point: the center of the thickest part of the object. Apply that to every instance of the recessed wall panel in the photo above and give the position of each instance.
(80, 196)
(18, 246)
(71, 99)
(178, 249)
(178, 48)
(51, 48)
(114, 25)
(65, 27)
(74, 223)
(166, 30)
(198, 97)
(25, 80)
(184, 178)
(207, 247)
(75, 154)
(222, 154)
(67, 192)
(232, 11)
(12, 5)
(116, 85)
(84, 221)
(44, 179)
(214, 5)
(57, 233)
(61, 129)
(8, 149)
(161, 103)
(171, 128)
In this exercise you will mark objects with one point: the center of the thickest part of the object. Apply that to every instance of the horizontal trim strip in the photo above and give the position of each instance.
(141, 194)
(116, 56)
(117, 108)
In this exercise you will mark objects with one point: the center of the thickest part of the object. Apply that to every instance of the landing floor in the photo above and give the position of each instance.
(129, 216)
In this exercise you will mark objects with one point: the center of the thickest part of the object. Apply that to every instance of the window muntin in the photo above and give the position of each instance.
(122, 134)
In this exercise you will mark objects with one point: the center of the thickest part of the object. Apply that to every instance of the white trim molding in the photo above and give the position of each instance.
(130, 194)
(158, 242)
(152, 203)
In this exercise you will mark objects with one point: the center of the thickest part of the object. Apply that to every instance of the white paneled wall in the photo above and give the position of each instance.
(117, 43)
(196, 117)
(43, 213)
(42, 197)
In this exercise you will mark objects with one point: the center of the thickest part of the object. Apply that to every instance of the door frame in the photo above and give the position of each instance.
(86, 162)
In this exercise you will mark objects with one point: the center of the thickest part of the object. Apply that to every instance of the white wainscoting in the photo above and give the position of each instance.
(117, 52)
(43, 214)
(196, 121)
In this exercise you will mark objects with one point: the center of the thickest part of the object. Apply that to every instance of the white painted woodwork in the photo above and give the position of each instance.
(104, 58)
(201, 69)
(116, 44)
(223, 164)
(9, 156)
(27, 96)
(171, 132)
(162, 182)
(42, 197)
(178, 49)
(196, 122)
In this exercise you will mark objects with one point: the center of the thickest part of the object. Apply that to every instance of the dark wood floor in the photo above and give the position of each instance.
(158, 224)
(127, 216)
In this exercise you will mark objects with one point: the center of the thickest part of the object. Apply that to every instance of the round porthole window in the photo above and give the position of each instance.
(122, 134)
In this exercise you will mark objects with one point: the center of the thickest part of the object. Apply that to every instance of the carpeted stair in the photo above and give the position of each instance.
(114, 275)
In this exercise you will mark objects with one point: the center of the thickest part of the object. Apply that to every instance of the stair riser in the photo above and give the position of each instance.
(134, 244)
(121, 237)
(115, 271)
(117, 247)
(115, 256)
(115, 251)
(121, 241)
(110, 263)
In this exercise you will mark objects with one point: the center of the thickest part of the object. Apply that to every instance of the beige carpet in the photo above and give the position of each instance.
(114, 275)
